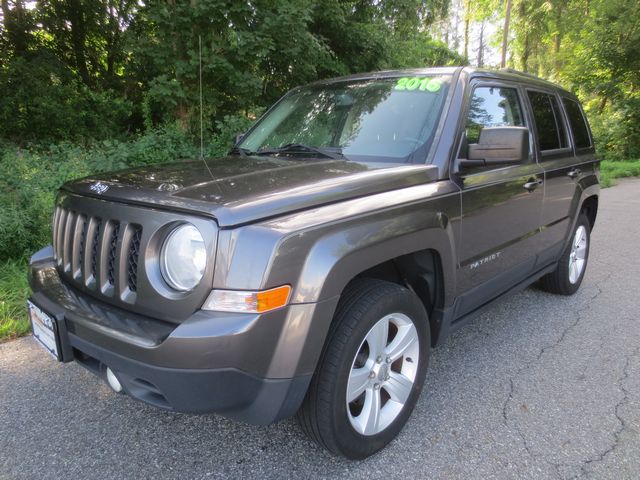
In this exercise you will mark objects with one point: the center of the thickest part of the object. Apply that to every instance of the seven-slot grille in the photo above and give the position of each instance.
(100, 254)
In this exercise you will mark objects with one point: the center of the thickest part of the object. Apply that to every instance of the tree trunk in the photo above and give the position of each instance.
(14, 24)
(481, 46)
(525, 53)
(456, 27)
(557, 41)
(505, 38)
(466, 30)
(466, 39)
(75, 14)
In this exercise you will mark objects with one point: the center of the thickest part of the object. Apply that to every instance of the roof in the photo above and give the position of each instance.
(507, 74)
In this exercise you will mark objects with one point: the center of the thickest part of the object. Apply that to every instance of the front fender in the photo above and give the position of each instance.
(319, 251)
(326, 248)
(337, 257)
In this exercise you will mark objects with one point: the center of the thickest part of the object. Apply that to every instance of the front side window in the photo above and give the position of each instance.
(552, 134)
(577, 123)
(492, 107)
(388, 120)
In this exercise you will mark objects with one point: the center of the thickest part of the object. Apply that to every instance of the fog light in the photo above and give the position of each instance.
(113, 381)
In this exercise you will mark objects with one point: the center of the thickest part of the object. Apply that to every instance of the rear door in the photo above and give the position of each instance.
(501, 212)
(556, 155)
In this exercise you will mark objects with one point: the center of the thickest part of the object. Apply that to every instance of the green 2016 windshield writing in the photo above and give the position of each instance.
(423, 84)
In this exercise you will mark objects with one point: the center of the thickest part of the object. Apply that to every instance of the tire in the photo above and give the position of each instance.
(567, 277)
(363, 358)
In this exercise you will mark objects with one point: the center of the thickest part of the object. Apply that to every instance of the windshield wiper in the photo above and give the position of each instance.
(302, 148)
(243, 152)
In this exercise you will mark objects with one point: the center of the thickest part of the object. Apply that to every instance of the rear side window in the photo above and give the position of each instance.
(577, 123)
(492, 107)
(552, 134)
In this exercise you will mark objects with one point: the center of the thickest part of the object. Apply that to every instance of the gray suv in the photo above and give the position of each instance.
(310, 272)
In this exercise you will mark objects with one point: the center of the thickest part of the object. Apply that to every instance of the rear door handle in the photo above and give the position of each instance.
(574, 173)
(532, 184)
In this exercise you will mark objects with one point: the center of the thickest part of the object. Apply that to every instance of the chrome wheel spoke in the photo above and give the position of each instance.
(369, 418)
(358, 380)
(577, 259)
(382, 365)
(572, 272)
(377, 338)
(398, 387)
(405, 338)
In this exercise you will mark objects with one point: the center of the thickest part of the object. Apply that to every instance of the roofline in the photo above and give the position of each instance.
(516, 75)
(505, 73)
(390, 74)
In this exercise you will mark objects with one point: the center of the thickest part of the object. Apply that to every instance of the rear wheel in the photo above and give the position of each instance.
(567, 277)
(371, 372)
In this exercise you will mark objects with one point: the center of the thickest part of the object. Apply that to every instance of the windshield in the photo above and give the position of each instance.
(386, 120)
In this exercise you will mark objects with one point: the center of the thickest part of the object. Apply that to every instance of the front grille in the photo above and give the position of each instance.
(132, 260)
(97, 253)
(111, 262)
(108, 250)
(94, 247)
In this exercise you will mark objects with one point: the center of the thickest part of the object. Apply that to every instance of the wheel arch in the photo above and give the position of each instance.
(590, 208)
(422, 273)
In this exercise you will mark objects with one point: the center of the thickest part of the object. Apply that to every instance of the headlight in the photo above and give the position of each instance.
(183, 258)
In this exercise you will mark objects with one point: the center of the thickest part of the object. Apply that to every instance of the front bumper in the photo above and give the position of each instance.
(251, 367)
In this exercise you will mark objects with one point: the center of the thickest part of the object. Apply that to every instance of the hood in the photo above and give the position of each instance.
(237, 190)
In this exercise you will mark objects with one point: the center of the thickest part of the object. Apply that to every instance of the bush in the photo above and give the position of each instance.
(30, 177)
(610, 170)
(13, 299)
(42, 100)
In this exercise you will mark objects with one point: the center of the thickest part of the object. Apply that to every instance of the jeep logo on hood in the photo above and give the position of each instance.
(98, 187)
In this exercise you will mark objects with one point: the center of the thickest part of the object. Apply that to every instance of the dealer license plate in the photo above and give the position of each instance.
(44, 329)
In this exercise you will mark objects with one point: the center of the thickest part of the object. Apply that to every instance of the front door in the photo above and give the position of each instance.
(501, 206)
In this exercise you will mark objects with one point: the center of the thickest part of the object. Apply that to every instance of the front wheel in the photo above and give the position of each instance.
(567, 277)
(371, 372)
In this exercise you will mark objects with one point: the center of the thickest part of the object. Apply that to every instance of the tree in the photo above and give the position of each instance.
(505, 37)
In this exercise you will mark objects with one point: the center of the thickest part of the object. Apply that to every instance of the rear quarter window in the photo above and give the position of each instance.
(577, 123)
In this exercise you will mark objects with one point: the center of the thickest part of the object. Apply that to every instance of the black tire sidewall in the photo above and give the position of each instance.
(349, 442)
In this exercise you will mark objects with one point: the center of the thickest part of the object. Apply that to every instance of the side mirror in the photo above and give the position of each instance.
(238, 138)
(498, 146)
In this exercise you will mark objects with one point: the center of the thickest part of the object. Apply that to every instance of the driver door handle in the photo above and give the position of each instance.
(532, 184)
(574, 173)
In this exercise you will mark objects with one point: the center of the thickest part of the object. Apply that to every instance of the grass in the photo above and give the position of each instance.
(610, 170)
(14, 290)
(13, 279)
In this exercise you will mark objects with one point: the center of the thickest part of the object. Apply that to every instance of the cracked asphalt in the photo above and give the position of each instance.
(540, 386)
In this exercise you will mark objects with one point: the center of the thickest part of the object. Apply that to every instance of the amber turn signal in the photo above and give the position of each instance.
(248, 301)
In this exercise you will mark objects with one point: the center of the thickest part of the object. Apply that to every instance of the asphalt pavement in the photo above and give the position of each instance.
(541, 386)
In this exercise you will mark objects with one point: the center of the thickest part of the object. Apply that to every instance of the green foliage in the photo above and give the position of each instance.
(30, 177)
(43, 101)
(423, 51)
(610, 170)
(82, 70)
(591, 47)
(13, 300)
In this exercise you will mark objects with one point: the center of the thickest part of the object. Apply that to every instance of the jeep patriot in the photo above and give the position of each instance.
(309, 272)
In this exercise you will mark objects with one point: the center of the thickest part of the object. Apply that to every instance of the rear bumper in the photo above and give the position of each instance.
(250, 367)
